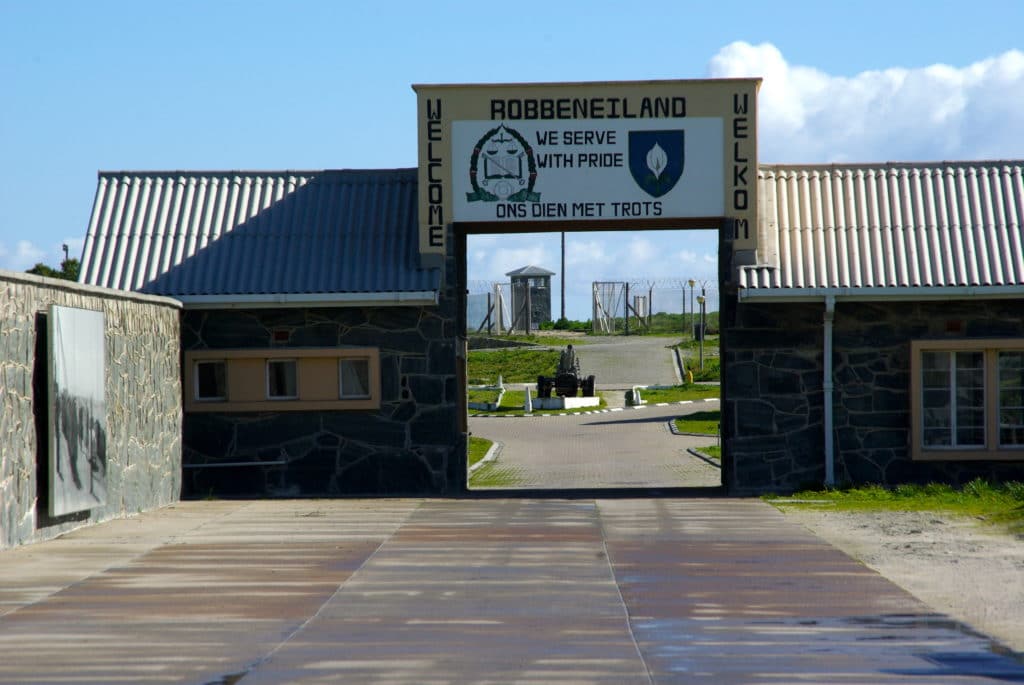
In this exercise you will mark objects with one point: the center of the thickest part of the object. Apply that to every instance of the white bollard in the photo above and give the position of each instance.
(528, 403)
(501, 383)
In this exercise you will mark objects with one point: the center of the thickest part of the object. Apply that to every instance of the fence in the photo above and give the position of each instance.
(638, 305)
(488, 307)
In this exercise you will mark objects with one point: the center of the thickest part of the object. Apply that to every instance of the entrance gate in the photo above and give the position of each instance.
(586, 156)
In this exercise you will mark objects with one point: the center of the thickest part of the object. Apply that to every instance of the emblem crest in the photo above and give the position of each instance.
(503, 168)
(656, 159)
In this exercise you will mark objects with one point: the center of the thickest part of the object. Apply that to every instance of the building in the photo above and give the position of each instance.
(531, 297)
(319, 357)
(872, 316)
(884, 340)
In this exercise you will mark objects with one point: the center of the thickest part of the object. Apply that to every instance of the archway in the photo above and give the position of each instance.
(610, 449)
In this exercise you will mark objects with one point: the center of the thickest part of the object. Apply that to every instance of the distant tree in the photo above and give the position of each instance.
(69, 269)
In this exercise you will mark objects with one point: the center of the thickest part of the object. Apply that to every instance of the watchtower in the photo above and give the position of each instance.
(531, 297)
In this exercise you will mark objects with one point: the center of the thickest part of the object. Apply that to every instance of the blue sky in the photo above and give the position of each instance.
(104, 85)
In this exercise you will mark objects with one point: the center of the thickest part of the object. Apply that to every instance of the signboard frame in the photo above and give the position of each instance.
(446, 112)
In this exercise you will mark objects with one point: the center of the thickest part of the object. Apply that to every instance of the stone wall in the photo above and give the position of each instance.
(412, 444)
(773, 375)
(143, 396)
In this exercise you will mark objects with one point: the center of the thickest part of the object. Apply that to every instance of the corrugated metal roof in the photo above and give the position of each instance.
(891, 226)
(249, 233)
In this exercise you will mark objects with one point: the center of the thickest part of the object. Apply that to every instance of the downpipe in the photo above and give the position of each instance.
(827, 387)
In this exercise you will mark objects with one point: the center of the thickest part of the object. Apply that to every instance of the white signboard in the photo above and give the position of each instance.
(587, 169)
(78, 410)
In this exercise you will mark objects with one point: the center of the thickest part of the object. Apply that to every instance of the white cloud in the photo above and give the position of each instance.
(641, 252)
(929, 113)
(24, 256)
(686, 256)
(585, 252)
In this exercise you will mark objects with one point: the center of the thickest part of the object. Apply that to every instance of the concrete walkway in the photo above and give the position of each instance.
(632, 448)
(624, 361)
(468, 591)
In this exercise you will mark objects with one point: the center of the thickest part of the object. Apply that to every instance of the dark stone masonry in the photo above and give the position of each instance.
(412, 444)
(773, 424)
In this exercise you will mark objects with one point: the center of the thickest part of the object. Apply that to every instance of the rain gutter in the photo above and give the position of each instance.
(299, 300)
(906, 293)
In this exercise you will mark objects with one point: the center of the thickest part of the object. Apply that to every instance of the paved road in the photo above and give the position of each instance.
(616, 449)
(629, 360)
(419, 592)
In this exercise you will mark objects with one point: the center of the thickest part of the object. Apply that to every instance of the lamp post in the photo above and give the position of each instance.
(692, 283)
(700, 301)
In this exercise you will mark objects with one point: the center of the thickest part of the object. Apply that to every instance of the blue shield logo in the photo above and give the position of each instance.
(656, 159)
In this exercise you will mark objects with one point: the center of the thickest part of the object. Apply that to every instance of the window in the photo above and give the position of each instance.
(282, 379)
(354, 378)
(968, 399)
(211, 381)
(953, 399)
(1011, 399)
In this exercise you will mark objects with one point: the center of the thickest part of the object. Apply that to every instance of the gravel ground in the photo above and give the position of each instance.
(960, 567)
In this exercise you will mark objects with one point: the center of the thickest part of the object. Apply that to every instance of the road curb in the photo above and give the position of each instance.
(588, 413)
(492, 454)
(700, 455)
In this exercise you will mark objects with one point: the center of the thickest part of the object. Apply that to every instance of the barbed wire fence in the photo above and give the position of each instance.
(623, 305)
(616, 304)
(488, 307)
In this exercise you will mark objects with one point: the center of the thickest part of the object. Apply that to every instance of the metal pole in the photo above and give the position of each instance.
(683, 331)
(693, 332)
(702, 331)
(490, 309)
(625, 309)
(563, 275)
(529, 309)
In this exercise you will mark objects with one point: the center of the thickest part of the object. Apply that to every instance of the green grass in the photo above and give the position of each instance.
(705, 422)
(713, 451)
(710, 346)
(514, 365)
(678, 393)
(478, 449)
(483, 396)
(991, 502)
(712, 370)
(547, 340)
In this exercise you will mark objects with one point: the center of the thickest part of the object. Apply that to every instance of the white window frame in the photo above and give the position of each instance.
(992, 449)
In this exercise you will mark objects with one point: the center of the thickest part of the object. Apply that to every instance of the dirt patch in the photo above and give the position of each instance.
(958, 566)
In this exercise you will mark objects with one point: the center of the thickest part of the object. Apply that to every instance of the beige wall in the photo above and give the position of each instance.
(318, 379)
